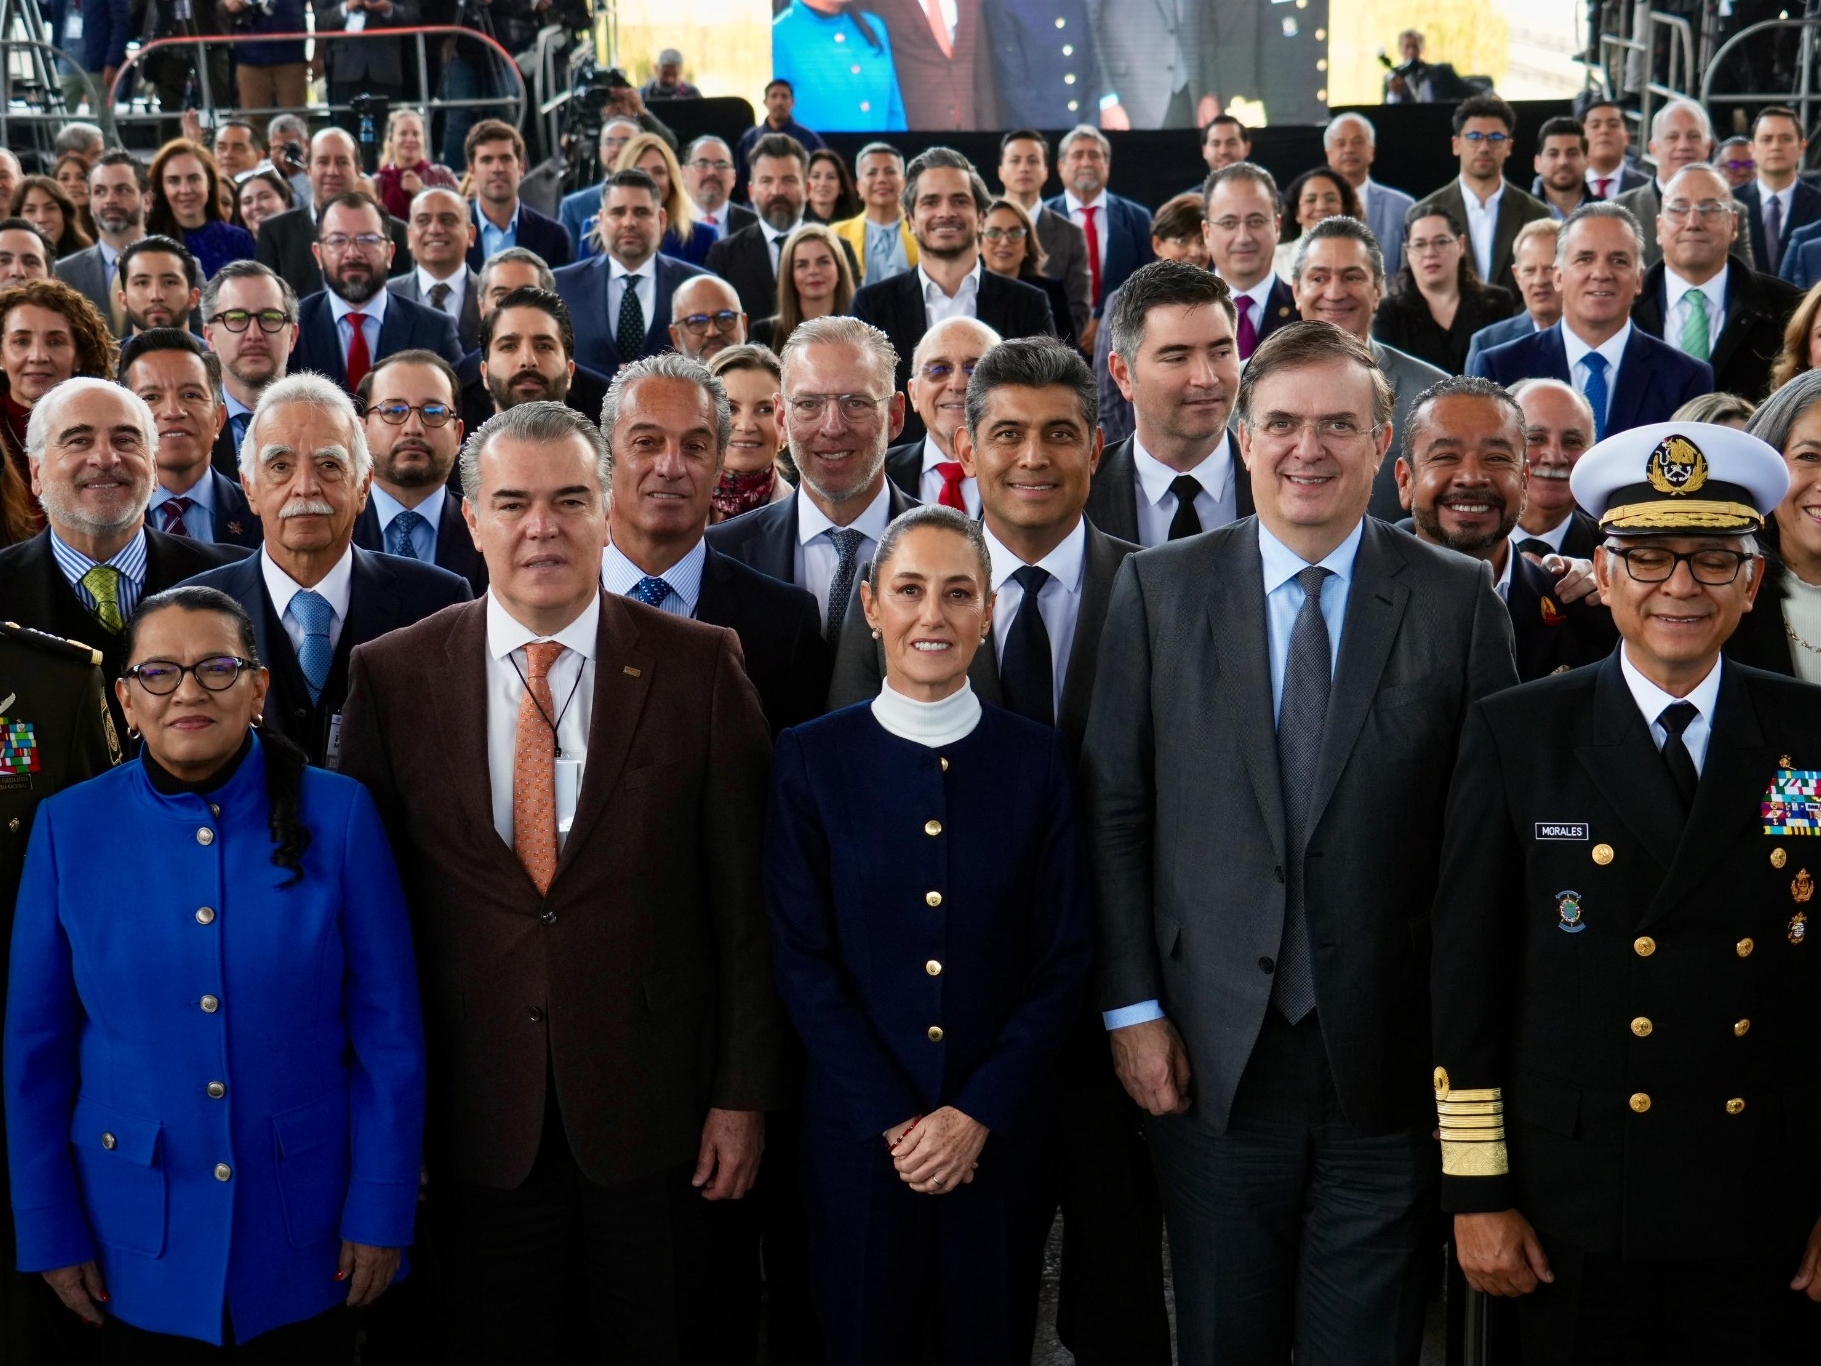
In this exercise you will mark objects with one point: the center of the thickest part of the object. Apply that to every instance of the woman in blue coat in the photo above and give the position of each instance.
(214, 1060)
(930, 916)
(838, 60)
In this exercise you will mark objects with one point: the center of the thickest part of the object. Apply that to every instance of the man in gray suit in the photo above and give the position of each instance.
(1351, 142)
(117, 185)
(439, 232)
(1266, 761)
(1680, 135)
(1339, 278)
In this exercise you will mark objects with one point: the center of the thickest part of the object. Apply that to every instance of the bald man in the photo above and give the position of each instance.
(285, 241)
(706, 318)
(1558, 429)
(439, 231)
(940, 367)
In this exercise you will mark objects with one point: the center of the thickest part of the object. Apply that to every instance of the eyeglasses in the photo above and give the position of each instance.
(1747, 165)
(1656, 564)
(1707, 208)
(854, 407)
(397, 414)
(704, 164)
(239, 319)
(1255, 223)
(217, 673)
(341, 241)
(696, 324)
(1004, 234)
(939, 370)
(1492, 139)
(1422, 245)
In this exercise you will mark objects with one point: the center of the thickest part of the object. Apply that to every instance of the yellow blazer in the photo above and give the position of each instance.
(853, 232)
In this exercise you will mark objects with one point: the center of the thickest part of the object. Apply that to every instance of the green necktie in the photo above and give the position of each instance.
(103, 583)
(1695, 341)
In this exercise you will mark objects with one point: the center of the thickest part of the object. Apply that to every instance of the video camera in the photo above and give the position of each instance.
(590, 97)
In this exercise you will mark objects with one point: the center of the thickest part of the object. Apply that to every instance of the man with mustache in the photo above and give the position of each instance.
(778, 187)
(621, 298)
(355, 320)
(1558, 431)
(92, 448)
(440, 234)
(160, 285)
(117, 204)
(928, 470)
(250, 321)
(313, 596)
(181, 383)
(1462, 476)
(412, 408)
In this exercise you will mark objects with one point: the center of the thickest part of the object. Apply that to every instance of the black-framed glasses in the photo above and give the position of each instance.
(396, 414)
(1004, 234)
(1656, 564)
(695, 324)
(217, 673)
(239, 319)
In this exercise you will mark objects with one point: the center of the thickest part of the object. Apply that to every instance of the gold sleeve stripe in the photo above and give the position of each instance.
(1472, 1130)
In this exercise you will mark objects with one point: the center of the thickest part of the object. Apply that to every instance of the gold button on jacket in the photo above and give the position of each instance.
(1642, 1027)
(1741, 1029)
(935, 1033)
(934, 898)
(223, 1171)
(1644, 946)
(932, 827)
(1735, 1106)
(933, 968)
(1744, 947)
(1640, 1102)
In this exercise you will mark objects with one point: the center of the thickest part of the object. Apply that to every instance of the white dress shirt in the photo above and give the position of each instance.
(1503, 586)
(620, 576)
(1080, 219)
(423, 538)
(1216, 504)
(1676, 289)
(1059, 603)
(1613, 349)
(1482, 225)
(1652, 700)
(776, 238)
(643, 280)
(817, 557)
(571, 680)
(938, 306)
(458, 289)
(929, 486)
(374, 311)
(1555, 535)
(336, 586)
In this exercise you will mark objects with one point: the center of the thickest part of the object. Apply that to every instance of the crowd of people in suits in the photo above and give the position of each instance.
(803, 722)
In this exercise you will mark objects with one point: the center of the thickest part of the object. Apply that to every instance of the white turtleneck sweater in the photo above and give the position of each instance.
(928, 723)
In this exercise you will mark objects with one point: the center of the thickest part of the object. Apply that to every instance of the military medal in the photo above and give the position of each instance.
(1792, 805)
(1798, 927)
(1802, 887)
(1568, 907)
(1552, 615)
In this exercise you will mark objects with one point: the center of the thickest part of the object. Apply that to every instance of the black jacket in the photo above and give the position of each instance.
(743, 259)
(455, 550)
(285, 240)
(780, 635)
(406, 326)
(536, 232)
(1113, 498)
(1758, 307)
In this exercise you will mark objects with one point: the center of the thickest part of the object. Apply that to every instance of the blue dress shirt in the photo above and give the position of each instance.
(130, 561)
(620, 575)
(423, 535)
(198, 518)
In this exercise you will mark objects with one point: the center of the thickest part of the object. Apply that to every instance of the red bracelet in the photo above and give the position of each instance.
(915, 1121)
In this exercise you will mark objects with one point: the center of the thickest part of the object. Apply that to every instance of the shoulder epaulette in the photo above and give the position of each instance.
(56, 645)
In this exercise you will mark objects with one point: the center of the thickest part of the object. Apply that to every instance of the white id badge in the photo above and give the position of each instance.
(568, 788)
(332, 751)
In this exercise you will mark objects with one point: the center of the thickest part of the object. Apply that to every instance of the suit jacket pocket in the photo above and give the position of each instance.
(123, 1182)
(1421, 689)
(310, 1151)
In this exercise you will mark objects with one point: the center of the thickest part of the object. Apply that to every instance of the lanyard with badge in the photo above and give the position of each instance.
(568, 776)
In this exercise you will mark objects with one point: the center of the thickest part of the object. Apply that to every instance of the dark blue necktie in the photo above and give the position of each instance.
(239, 425)
(1026, 675)
(311, 611)
(1597, 394)
(651, 591)
(1301, 719)
(399, 533)
(840, 589)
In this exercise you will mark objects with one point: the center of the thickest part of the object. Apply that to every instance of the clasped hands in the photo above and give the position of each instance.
(937, 1152)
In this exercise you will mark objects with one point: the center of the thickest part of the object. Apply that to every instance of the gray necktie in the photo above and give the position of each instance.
(847, 545)
(439, 295)
(1301, 719)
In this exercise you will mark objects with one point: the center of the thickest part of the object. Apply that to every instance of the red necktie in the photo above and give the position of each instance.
(360, 360)
(1603, 186)
(952, 475)
(174, 508)
(1093, 236)
(1248, 330)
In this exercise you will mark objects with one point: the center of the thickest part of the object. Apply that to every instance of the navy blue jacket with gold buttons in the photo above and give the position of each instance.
(929, 909)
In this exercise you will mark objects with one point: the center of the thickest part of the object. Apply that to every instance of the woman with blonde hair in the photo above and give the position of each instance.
(1801, 341)
(684, 238)
(814, 281)
(404, 165)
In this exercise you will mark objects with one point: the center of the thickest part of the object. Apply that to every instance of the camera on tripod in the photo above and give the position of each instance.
(586, 111)
(369, 113)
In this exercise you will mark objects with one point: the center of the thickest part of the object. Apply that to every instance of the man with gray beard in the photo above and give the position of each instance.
(779, 188)
(354, 319)
(91, 447)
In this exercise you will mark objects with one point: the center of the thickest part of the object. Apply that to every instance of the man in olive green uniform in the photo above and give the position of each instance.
(1626, 957)
(55, 731)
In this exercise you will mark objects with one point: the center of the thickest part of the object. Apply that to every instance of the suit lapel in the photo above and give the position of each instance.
(622, 679)
(663, 285)
(1102, 564)
(1627, 767)
(1237, 636)
(1243, 504)
(459, 690)
(1631, 385)
(374, 607)
(1741, 316)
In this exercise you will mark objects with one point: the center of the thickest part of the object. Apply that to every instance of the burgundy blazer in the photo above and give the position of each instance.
(642, 980)
(942, 94)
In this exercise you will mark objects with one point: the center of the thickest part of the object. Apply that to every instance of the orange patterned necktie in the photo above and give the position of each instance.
(534, 769)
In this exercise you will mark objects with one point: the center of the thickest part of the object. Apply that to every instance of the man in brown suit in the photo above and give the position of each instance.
(945, 72)
(575, 788)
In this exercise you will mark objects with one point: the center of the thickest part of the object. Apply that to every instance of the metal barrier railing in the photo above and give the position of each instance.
(511, 104)
(1673, 37)
(1803, 97)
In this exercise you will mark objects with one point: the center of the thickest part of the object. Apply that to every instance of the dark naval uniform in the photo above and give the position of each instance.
(1624, 996)
(55, 731)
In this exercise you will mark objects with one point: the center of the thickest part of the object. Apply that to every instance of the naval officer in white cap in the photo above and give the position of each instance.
(1625, 968)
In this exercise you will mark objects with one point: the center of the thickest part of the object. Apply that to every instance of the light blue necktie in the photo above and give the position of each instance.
(1596, 393)
(311, 611)
(879, 254)
(651, 591)
(399, 533)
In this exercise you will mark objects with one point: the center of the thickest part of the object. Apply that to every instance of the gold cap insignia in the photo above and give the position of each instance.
(1802, 889)
(1676, 467)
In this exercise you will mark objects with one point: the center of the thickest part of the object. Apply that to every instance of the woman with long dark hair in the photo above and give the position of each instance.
(47, 206)
(1437, 302)
(214, 1056)
(183, 200)
(1314, 195)
(832, 194)
(814, 281)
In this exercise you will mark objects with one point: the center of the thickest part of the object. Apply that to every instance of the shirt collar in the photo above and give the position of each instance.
(1472, 200)
(1555, 535)
(129, 559)
(1715, 289)
(1067, 563)
(932, 453)
(1155, 477)
(619, 574)
(968, 288)
(505, 633)
(335, 586)
(812, 521)
(1281, 564)
(1613, 348)
(388, 507)
(779, 235)
(235, 406)
(645, 270)
(457, 282)
(1260, 295)
(201, 493)
(374, 308)
(1783, 195)
(1651, 699)
(1075, 205)
(511, 226)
